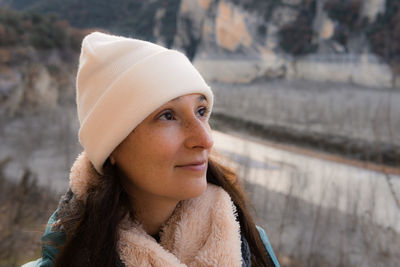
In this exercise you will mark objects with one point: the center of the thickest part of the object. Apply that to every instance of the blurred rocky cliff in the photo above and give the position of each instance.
(245, 40)
(35, 79)
(240, 41)
(38, 61)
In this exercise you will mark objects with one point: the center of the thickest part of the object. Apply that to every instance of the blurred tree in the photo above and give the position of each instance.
(125, 17)
(262, 7)
(296, 38)
(347, 14)
(40, 31)
(384, 36)
(168, 26)
(9, 22)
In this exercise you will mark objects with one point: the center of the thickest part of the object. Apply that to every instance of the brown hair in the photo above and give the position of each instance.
(91, 228)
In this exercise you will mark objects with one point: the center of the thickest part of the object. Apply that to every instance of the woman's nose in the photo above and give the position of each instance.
(198, 134)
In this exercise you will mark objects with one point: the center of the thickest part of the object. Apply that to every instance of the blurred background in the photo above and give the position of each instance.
(307, 111)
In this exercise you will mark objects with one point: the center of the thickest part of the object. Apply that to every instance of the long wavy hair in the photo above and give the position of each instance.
(91, 228)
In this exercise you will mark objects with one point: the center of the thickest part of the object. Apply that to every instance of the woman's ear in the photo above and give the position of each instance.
(112, 159)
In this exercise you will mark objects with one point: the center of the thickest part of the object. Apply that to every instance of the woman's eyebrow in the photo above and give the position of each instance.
(199, 99)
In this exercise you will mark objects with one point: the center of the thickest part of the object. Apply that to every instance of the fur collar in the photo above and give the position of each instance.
(202, 231)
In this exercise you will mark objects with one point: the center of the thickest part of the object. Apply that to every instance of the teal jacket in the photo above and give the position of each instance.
(267, 245)
(50, 241)
(49, 251)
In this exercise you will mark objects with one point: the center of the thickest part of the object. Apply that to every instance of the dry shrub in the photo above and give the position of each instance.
(24, 208)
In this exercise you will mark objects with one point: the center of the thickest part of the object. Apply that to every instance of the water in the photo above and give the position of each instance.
(352, 190)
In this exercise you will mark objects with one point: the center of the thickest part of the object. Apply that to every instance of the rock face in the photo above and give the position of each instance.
(371, 8)
(227, 40)
(231, 42)
(230, 28)
(218, 27)
(237, 41)
(31, 79)
(224, 42)
(193, 25)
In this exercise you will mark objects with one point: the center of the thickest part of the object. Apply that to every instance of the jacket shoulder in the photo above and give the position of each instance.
(51, 240)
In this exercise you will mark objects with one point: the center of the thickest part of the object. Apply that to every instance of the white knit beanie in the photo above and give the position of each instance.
(120, 81)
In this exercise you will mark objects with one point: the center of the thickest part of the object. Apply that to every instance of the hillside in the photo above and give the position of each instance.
(38, 59)
(272, 35)
(120, 16)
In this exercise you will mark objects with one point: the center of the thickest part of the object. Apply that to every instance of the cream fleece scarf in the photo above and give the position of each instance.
(202, 231)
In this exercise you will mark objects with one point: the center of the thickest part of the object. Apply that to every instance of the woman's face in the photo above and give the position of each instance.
(166, 155)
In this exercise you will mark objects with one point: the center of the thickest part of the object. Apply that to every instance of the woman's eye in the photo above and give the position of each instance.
(204, 111)
(167, 115)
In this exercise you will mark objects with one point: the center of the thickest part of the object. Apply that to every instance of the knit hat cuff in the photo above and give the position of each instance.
(114, 115)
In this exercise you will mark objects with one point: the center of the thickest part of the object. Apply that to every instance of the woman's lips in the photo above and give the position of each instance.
(194, 167)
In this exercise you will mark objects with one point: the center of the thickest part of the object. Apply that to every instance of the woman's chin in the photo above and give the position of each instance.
(194, 189)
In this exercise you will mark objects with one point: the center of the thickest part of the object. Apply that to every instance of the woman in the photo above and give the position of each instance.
(146, 191)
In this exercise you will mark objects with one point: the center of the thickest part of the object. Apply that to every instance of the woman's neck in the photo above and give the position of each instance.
(152, 213)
